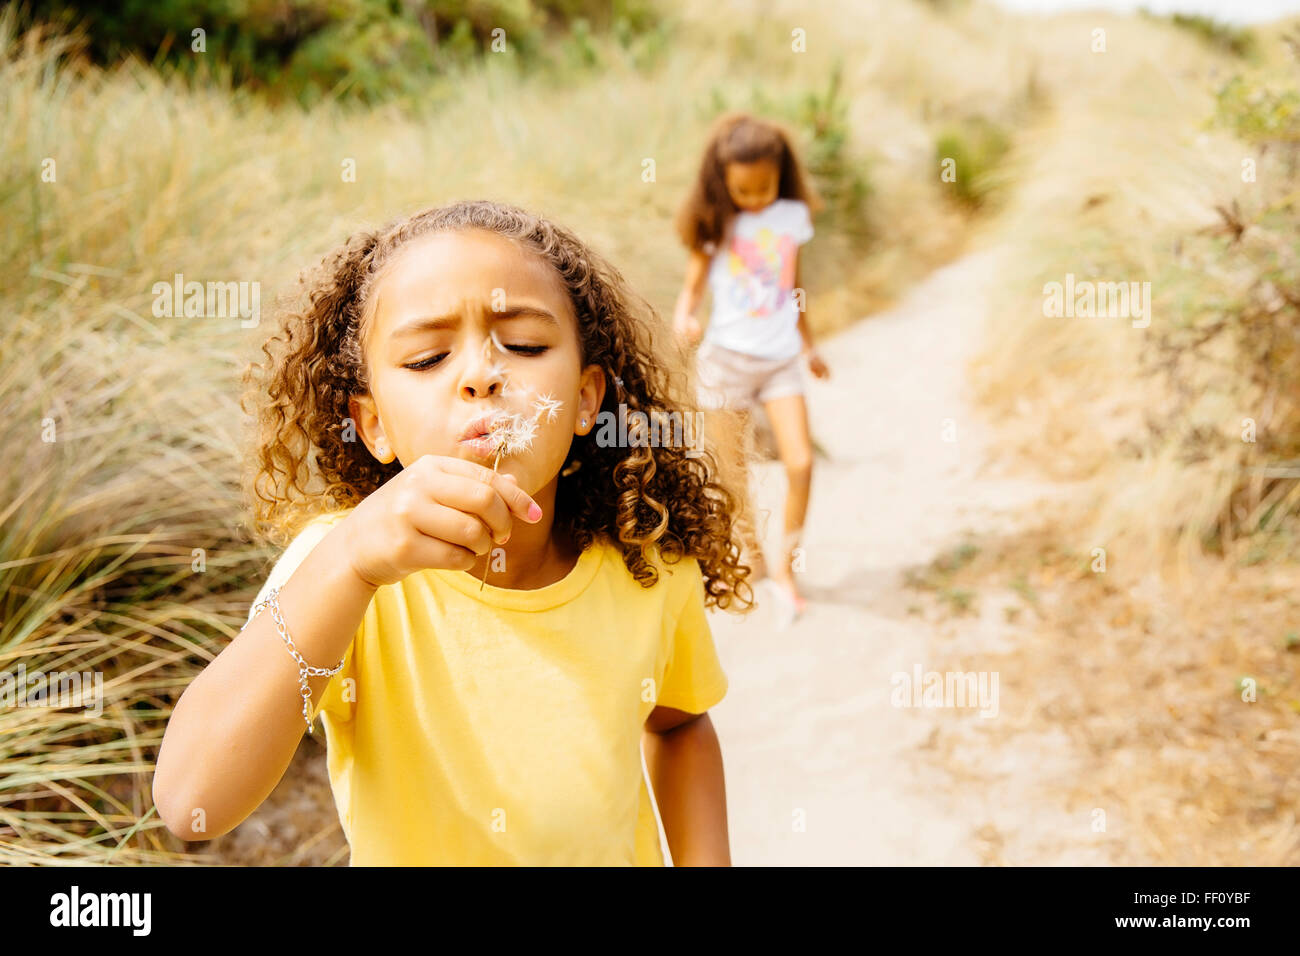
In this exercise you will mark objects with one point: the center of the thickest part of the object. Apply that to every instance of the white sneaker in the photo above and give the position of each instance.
(782, 607)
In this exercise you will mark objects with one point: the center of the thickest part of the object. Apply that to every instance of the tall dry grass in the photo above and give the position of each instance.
(1172, 675)
(1119, 187)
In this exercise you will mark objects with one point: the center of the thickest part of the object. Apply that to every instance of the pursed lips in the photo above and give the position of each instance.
(479, 427)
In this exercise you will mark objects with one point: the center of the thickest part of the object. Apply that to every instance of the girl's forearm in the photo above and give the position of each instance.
(687, 302)
(234, 730)
(693, 288)
(685, 767)
(805, 332)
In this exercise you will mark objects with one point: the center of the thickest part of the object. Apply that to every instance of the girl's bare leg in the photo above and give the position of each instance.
(735, 435)
(789, 417)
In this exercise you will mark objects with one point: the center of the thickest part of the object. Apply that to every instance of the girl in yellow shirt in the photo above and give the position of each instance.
(504, 530)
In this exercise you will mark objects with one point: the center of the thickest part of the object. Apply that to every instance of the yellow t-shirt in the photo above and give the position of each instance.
(503, 727)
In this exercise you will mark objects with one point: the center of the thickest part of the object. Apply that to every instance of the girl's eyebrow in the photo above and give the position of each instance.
(434, 322)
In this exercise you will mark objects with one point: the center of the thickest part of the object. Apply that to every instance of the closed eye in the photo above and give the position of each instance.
(429, 362)
(433, 360)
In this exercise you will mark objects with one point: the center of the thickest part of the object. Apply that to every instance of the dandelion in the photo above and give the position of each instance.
(514, 433)
(511, 434)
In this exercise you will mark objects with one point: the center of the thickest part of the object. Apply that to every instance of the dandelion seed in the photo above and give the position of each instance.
(512, 434)
(547, 405)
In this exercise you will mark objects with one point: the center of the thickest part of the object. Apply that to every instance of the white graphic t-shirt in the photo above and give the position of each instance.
(752, 281)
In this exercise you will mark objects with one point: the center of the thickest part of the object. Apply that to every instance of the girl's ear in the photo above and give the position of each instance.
(366, 424)
(591, 394)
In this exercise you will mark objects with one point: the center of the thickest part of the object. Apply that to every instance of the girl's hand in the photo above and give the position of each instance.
(816, 365)
(441, 512)
(687, 329)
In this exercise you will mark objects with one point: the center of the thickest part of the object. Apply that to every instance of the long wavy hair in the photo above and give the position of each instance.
(736, 137)
(635, 496)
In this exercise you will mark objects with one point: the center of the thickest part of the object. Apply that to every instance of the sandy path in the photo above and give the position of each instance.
(821, 769)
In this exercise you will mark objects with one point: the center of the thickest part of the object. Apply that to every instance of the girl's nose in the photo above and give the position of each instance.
(485, 373)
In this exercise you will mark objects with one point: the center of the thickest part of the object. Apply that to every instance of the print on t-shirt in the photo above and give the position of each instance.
(752, 278)
(762, 272)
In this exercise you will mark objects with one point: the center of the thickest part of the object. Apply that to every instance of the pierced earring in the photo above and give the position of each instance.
(382, 451)
(575, 464)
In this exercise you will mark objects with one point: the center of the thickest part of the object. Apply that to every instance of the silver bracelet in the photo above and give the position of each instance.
(305, 670)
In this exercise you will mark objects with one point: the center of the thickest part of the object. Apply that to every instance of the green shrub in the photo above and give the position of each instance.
(362, 49)
(840, 174)
(1258, 114)
(1237, 41)
(1231, 348)
(368, 60)
(971, 150)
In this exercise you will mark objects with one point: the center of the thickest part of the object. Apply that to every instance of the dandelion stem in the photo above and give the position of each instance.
(488, 564)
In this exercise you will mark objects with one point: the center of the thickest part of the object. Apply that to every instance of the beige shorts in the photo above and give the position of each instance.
(729, 379)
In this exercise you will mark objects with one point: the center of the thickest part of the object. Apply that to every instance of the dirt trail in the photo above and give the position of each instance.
(821, 768)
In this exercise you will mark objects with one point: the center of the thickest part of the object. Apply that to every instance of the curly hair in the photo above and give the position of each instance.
(642, 496)
(703, 218)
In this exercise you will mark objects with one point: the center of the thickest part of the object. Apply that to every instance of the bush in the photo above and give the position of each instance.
(1236, 41)
(362, 49)
(1233, 346)
(841, 176)
(1264, 117)
(368, 60)
(971, 150)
